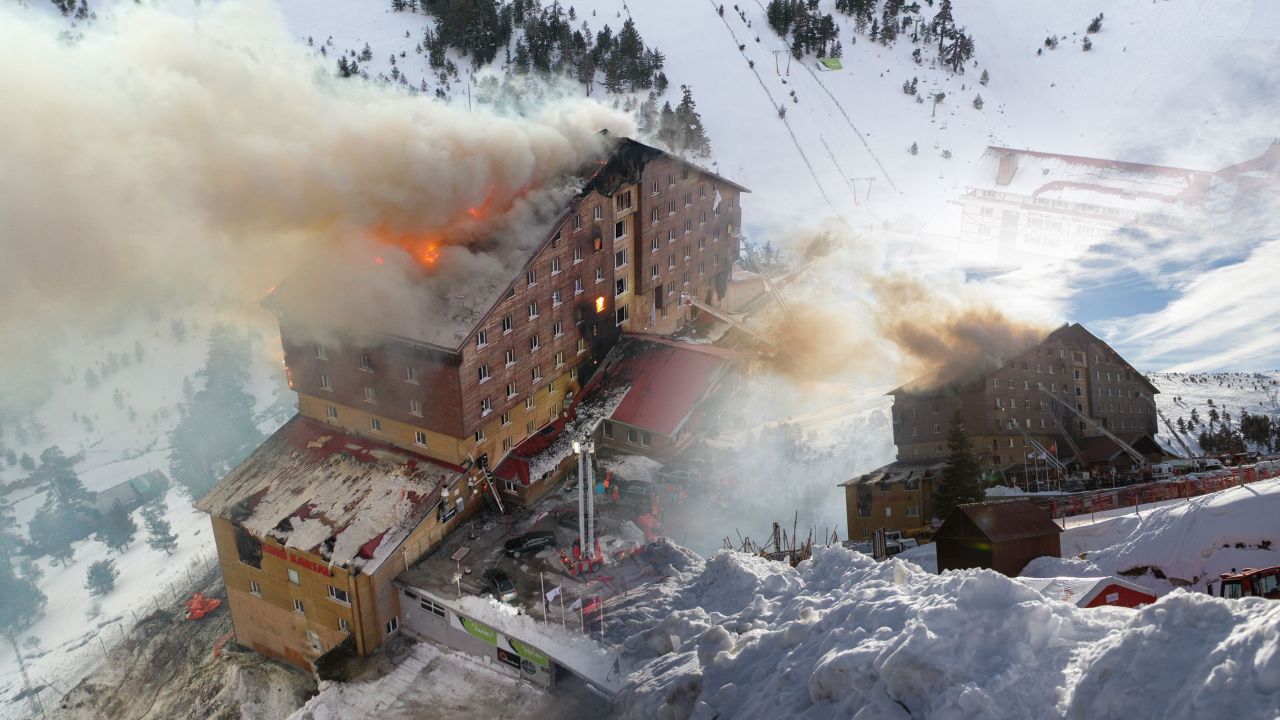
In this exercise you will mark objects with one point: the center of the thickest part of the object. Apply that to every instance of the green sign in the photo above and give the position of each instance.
(484, 632)
(527, 652)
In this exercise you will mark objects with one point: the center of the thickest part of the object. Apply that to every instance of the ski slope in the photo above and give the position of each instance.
(1180, 393)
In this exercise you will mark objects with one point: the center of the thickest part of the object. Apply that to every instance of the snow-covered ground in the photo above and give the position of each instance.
(1188, 541)
(69, 638)
(842, 636)
(1234, 392)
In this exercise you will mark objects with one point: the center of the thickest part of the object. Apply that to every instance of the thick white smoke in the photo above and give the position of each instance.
(171, 155)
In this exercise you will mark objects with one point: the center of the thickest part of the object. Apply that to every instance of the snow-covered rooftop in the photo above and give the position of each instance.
(344, 498)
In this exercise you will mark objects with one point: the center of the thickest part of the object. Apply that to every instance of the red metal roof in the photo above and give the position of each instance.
(667, 381)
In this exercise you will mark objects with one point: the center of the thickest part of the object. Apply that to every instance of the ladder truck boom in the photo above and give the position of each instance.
(1137, 457)
(688, 300)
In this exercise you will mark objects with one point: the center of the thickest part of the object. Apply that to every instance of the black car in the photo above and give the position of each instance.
(500, 585)
(529, 543)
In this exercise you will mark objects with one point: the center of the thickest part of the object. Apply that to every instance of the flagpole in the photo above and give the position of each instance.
(562, 623)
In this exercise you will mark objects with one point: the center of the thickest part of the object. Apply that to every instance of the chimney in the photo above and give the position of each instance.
(1008, 166)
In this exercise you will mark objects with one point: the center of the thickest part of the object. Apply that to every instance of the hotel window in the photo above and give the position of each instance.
(577, 254)
(671, 236)
(671, 262)
(702, 191)
(531, 278)
(533, 309)
(671, 288)
(255, 589)
(702, 268)
(479, 435)
(597, 213)
(620, 229)
(573, 373)
(599, 275)
(343, 625)
(375, 424)
(482, 338)
(671, 208)
(622, 201)
(528, 405)
(577, 222)
(534, 344)
(293, 577)
(688, 199)
(536, 373)
(653, 216)
(620, 315)
(486, 406)
(511, 357)
(620, 286)
(420, 438)
(620, 258)
(607, 429)
(555, 241)
(483, 372)
(324, 382)
(529, 428)
(686, 277)
(415, 407)
(331, 411)
(577, 286)
(653, 188)
(393, 625)
(411, 375)
(688, 226)
(366, 362)
(559, 358)
(505, 419)
(369, 395)
(653, 271)
(506, 445)
(555, 266)
(555, 298)
(597, 244)
(321, 353)
(654, 244)
(582, 345)
(671, 179)
(702, 243)
(684, 174)
(506, 324)
(339, 595)
(557, 328)
(551, 389)
(297, 606)
(511, 390)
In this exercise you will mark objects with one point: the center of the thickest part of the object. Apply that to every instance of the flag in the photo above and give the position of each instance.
(553, 593)
(576, 604)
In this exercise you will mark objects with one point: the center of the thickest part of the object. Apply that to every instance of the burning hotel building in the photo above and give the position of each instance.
(394, 436)
(1053, 405)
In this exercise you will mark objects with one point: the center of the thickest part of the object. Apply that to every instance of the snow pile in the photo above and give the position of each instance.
(843, 636)
(1189, 542)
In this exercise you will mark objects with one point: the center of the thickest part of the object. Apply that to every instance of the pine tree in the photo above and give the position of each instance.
(962, 475)
(943, 23)
(986, 77)
(1087, 45)
(118, 528)
(914, 149)
(977, 102)
(159, 532)
(1095, 25)
(216, 428)
(101, 578)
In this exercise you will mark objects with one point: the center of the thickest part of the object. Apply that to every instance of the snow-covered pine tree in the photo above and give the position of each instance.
(101, 578)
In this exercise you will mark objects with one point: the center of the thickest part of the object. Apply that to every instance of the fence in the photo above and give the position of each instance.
(1132, 495)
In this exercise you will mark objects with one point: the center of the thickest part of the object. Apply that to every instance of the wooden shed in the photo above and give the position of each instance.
(1001, 535)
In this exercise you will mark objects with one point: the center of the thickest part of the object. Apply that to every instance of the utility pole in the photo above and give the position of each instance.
(788, 64)
(776, 69)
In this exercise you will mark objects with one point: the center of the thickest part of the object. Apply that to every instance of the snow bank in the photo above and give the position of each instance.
(843, 636)
(1189, 542)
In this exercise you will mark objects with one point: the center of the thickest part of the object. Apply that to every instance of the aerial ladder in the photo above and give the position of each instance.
(1139, 459)
(1035, 445)
(768, 284)
(1176, 435)
(688, 300)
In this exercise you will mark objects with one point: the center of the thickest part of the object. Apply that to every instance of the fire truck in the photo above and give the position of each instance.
(1250, 582)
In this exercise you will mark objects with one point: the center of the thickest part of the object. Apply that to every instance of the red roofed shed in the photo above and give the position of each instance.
(1001, 535)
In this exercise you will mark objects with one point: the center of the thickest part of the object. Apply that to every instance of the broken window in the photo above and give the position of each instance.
(248, 548)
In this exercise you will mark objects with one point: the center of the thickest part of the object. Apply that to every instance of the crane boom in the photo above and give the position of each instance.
(1137, 457)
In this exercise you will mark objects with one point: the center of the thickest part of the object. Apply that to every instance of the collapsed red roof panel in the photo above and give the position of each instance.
(667, 381)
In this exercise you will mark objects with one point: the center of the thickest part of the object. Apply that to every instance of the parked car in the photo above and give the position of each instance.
(500, 585)
(529, 543)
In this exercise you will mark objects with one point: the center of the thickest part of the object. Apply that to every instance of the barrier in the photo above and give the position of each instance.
(1131, 495)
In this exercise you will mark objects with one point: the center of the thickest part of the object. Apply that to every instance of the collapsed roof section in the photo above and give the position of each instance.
(346, 499)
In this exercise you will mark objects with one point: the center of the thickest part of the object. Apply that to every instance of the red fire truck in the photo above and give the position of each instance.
(1251, 582)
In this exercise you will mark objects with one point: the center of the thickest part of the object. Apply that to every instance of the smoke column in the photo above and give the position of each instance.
(170, 156)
